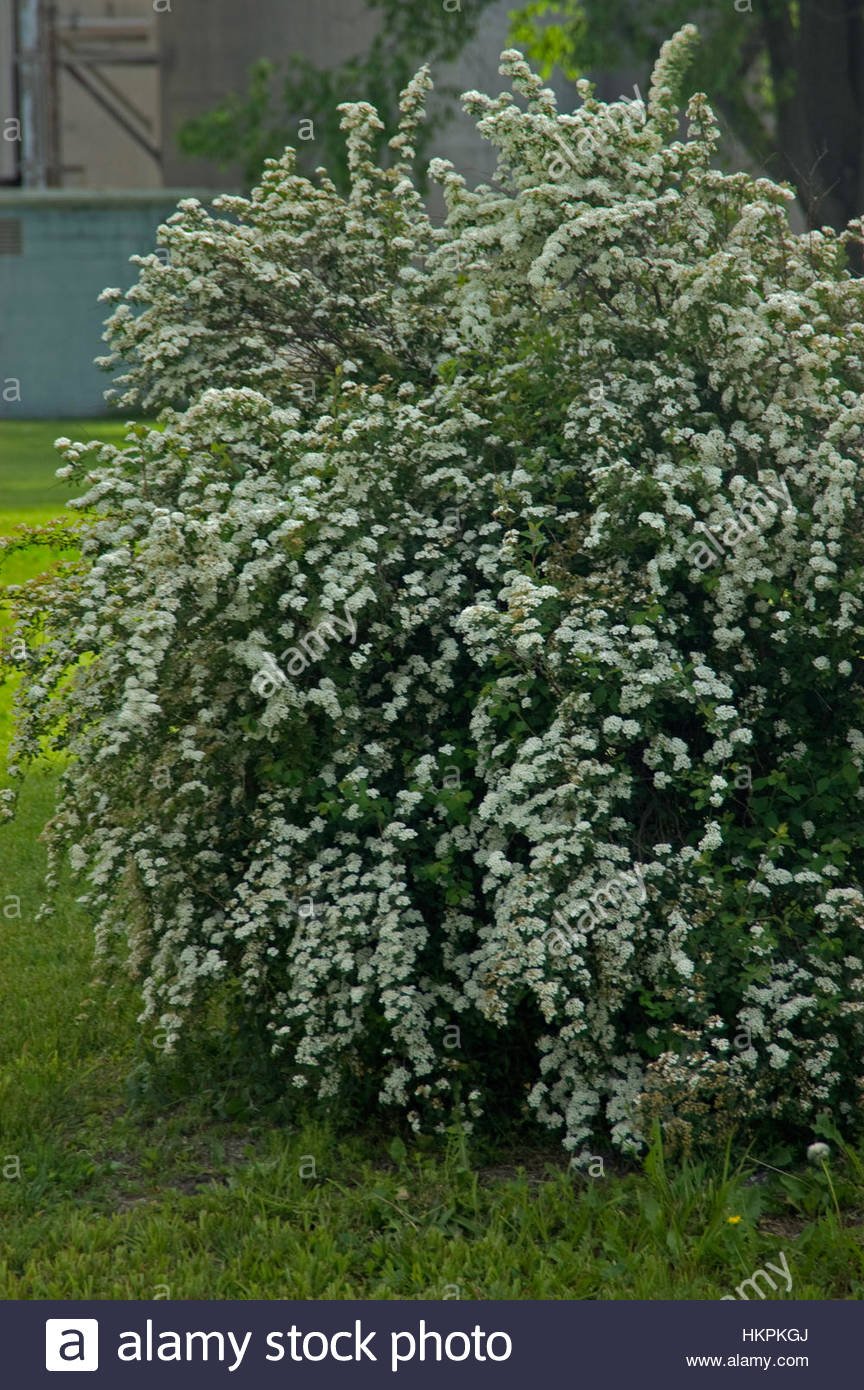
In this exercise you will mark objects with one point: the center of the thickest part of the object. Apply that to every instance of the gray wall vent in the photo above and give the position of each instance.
(10, 236)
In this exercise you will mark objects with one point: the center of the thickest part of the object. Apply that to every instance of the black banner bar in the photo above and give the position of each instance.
(501, 1345)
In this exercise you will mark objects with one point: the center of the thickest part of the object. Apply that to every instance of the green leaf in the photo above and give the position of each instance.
(397, 1150)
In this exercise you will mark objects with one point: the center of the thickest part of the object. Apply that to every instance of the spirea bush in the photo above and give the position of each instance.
(463, 684)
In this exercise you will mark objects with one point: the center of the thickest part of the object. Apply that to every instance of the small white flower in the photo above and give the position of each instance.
(816, 1153)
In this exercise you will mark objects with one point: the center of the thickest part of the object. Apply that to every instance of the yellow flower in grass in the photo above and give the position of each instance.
(732, 1220)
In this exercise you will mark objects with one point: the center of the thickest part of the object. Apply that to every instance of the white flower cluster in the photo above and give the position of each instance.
(491, 443)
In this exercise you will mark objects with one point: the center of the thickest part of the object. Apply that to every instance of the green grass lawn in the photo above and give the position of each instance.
(110, 1188)
(29, 492)
(30, 495)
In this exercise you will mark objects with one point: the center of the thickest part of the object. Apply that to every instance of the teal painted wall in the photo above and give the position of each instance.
(72, 244)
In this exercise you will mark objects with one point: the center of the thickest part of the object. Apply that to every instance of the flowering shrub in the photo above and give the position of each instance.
(574, 810)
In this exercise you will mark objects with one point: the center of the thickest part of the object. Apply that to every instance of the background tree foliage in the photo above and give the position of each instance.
(786, 76)
(257, 125)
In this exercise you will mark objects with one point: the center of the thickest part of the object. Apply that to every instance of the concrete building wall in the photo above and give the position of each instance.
(208, 46)
(205, 50)
(58, 251)
(96, 151)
